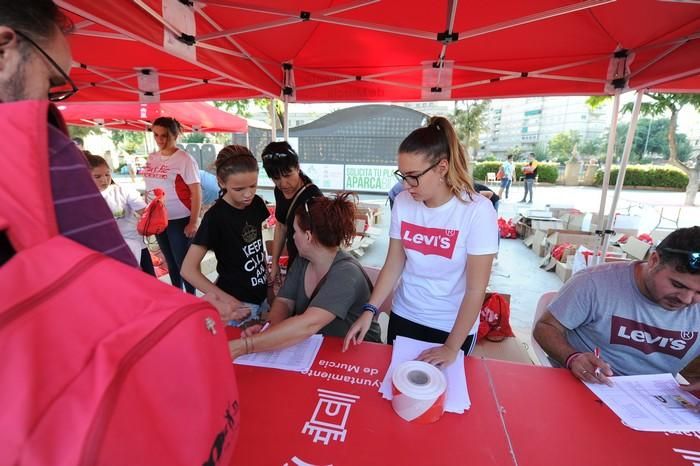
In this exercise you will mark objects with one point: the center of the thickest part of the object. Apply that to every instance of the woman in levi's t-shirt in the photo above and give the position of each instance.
(443, 238)
(177, 174)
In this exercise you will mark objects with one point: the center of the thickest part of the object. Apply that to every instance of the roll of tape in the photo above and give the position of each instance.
(418, 392)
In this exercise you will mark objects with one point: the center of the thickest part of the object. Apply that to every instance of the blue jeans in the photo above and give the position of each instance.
(505, 185)
(174, 245)
(529, 182)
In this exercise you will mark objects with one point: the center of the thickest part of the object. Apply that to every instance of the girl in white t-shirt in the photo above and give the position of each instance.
(126, 205)
(175, 172)
(443, 238)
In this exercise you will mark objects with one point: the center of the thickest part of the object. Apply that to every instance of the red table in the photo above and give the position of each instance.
(520, 415)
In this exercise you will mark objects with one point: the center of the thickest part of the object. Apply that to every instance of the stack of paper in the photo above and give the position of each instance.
(407, 349)
(653, 403)
(296, 358)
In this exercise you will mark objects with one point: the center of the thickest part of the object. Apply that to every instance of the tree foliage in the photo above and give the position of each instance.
(470, 120)
(561, 146)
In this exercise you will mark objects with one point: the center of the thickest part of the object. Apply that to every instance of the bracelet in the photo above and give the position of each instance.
(371, 308)
(252, 344)
(571, 358)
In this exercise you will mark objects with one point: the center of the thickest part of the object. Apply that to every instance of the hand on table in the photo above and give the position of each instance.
(229, 307)
(358, 330)
(693, 387)
(440, 356)
(592, 369)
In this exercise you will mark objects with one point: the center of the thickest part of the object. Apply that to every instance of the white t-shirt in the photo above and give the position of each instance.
(172, 174)
(124, 202)
(436, 242)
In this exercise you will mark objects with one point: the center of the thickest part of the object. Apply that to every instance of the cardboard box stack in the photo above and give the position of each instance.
(543, 230)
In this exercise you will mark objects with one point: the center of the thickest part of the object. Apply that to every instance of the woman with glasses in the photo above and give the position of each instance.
(443, 238)
(175, 172)
(325, 288)
(292, 189)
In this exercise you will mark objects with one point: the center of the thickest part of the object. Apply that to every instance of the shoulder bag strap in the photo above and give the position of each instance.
(323, 279)
(292, 205)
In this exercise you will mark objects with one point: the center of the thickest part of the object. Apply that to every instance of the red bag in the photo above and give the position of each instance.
(494, 319)
(154, 219)
(142, 379)
(506, 229)
(500, 174)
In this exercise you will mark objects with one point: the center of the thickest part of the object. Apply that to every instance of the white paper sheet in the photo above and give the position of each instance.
(408, 349)
(652, 403)
(296, 358)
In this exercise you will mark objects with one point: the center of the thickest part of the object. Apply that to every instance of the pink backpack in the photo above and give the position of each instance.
(101, 363)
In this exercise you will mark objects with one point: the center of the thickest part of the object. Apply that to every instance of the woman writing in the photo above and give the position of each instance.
(292, 189)
(175, 172)
(325, 288)
(438, 223)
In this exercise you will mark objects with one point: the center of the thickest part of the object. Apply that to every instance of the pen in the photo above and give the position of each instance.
(596, 351)
(264, 327)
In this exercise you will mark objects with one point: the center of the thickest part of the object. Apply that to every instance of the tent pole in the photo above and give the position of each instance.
(623, 167)
(606, 171)
(286, 121)
(273, 120)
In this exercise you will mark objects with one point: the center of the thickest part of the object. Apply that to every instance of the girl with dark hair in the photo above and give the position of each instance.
(126, 205)
(292, 189)
(443, 238)
(175, 172)
(232, 228)
(325, 287)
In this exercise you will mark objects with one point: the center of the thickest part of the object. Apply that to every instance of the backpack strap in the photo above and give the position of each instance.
(26, 204)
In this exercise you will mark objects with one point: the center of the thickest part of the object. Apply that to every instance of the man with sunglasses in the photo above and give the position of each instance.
(629, 318)
(35, 62)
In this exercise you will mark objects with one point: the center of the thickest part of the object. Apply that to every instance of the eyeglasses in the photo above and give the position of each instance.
(275, 155)
(55, 96)
(413, 180)
(692, 257)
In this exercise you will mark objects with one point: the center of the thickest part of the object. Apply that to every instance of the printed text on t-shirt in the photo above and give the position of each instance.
(160, 171)
(429, 241)
(648, 339)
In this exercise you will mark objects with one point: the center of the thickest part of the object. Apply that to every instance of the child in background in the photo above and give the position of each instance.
(232, 228)
(126, 205)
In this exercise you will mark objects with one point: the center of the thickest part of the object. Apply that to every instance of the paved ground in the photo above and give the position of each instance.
(517, 272)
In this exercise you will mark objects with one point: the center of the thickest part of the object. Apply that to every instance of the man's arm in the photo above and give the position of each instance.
(551, 335)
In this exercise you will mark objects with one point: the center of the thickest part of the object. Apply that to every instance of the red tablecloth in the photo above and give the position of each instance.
(520, 415)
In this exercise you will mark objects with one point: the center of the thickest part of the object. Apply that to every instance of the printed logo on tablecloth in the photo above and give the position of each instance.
(330, 416)
(299, 462)
(692, 456)
(429, 241)
(649, 339)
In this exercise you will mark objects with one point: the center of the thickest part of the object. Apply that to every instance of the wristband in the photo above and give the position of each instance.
(571, 358)
(371, 308)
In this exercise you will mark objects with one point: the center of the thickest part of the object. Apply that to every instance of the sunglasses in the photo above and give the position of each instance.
(414, 180)
(275, 155)
(693, 257)
(54, 96)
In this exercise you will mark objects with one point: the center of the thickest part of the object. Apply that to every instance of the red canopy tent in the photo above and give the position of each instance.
(193, 116)
(381, 50)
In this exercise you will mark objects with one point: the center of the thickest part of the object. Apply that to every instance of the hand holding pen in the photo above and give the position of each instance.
(590, 367)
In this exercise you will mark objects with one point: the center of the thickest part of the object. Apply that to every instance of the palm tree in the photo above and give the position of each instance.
(470, 121)
(663, 104)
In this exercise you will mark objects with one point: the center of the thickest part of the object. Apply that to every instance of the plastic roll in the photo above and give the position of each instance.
(418, 392)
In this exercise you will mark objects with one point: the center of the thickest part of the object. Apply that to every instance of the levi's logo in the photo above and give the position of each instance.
(427, 241)
(648, 339)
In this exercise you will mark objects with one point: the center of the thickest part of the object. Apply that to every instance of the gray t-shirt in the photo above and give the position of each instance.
(343, 294)
(603, 307)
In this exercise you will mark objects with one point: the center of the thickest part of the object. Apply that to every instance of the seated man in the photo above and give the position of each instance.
(644, 317)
